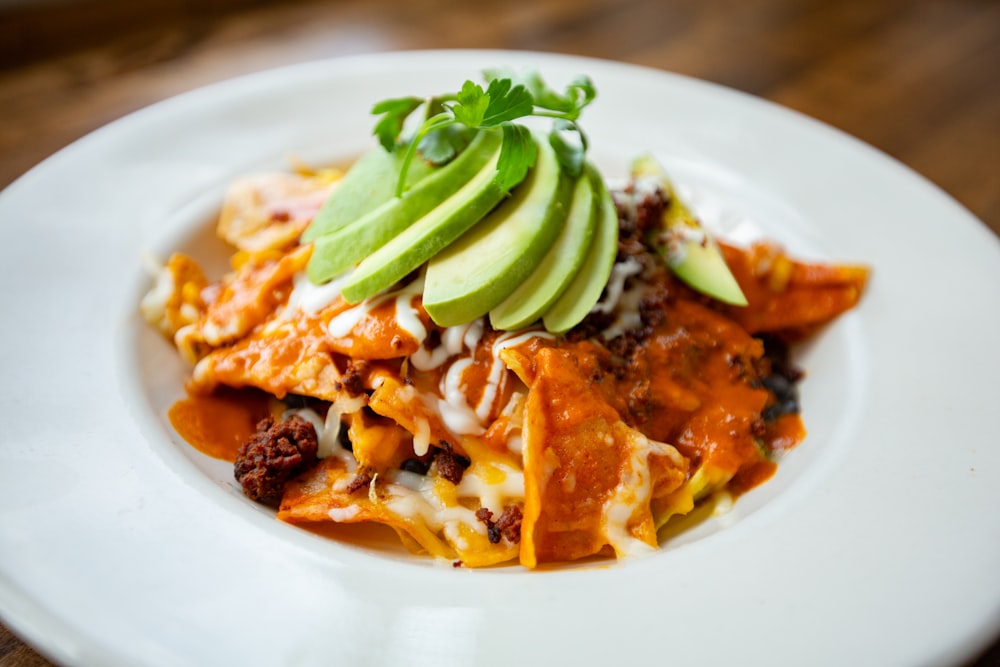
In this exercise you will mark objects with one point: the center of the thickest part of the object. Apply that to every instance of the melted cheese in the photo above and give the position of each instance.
(307, 297)
(454, 341)
(620, 272)
(454, 407)
(494, 484)
(631, 497)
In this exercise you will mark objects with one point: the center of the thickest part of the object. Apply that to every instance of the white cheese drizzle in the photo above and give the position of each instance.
(454, 407)
(328, 430)
(311, 298)
(413, 496)
(620, 272)
(627, 315)
(633, 491)
(421, 436)
(492, 495)
(453, 341)
(497, 367)
(344, 322)
(407, 317)
(344, 513)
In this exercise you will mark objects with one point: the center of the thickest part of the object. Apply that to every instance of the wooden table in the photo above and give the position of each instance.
(919, 80)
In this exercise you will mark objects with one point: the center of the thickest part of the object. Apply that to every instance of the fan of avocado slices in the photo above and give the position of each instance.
(509, 222)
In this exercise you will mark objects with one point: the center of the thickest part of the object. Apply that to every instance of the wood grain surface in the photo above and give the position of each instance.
(919, 80)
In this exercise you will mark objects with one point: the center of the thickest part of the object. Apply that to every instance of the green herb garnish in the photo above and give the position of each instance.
(451, 118)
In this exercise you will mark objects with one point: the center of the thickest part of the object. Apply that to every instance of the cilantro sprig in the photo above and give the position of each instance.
(452, 118)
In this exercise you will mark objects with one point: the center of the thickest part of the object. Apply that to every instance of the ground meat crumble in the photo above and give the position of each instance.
(362, 480)
(451, 465)
(508, 526)
(275, 454)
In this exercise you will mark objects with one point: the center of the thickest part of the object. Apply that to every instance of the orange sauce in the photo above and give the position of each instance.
(217, 424)
(751, 475)
(572, 462)
(690, 384)
(786, 432)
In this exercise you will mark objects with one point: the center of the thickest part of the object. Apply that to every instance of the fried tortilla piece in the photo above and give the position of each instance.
(176, 299)
(697, 382)
(424, 510)
(378, 443)
(271, 210)
(291, 348)
(326, 493)
(788, 297)
(589, 478)
(698, 377)
(281, 359)
(259, 285)
(403, 404)
(384, 327)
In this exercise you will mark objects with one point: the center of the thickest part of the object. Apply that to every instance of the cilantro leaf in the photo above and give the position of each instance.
(517, 155)
(441, 146)
(506, 103)
(579, 92)
(452, 119)
(394, 113)
(570, 144)
(471, 105)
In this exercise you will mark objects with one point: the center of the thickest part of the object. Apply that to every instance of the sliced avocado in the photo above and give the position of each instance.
(369, 183)
(589, 282)
(687, 247)
(428, 235)
(341, 249)
(488, 262)
(559, 266)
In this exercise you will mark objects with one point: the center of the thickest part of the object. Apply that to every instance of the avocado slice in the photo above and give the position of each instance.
(488, 262)
(688, 249)
(553, 274)
(589, 282)
(341, 249)
(427, 236)
(369, 183)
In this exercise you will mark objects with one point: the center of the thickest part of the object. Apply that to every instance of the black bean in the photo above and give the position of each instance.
(414, 465)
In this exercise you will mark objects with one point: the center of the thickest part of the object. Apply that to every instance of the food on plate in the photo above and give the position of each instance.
(472, 338)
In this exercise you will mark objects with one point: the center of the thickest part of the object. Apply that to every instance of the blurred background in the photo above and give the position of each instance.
(918, 79)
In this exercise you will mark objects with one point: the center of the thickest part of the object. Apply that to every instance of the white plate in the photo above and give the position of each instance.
(876, 543)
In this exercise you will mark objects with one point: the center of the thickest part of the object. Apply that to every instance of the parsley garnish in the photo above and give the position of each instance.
(451, 118)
